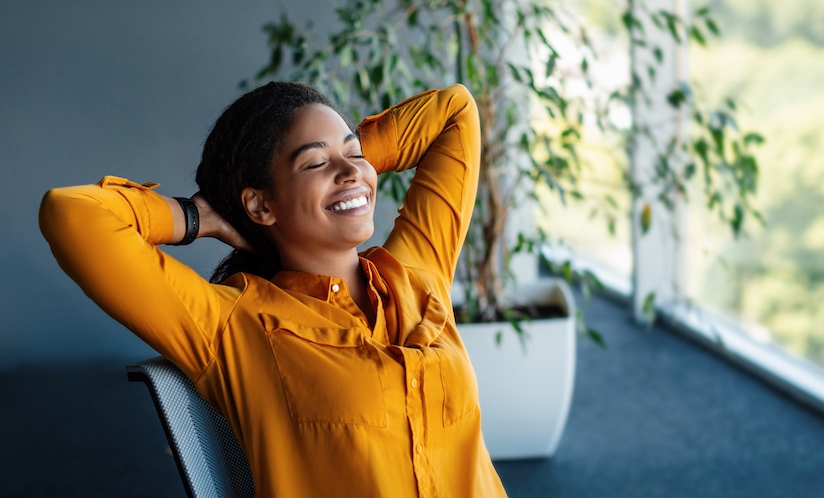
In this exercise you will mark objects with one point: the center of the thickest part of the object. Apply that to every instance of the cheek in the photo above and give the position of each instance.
(370, 174)
(296, 201)
(304, 192)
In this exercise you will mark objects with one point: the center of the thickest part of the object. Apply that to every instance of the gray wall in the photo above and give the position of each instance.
(91, 88)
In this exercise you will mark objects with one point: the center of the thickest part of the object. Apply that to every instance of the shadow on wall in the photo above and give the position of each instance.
(49, 319)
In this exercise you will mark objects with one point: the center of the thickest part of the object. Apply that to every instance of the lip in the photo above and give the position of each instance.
(348, 195)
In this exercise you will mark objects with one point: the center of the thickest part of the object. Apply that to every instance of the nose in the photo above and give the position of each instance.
(348, 172)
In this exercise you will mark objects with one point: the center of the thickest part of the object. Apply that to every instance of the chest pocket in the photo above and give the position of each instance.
(460, 388)
(329, 375)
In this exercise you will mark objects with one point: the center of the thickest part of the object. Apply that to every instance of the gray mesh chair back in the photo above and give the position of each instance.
(209, 458)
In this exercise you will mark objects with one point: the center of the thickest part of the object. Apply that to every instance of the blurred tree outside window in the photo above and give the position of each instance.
(770, 58)
(606, 197)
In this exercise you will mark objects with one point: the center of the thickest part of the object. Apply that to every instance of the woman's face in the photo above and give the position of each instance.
(324, 192)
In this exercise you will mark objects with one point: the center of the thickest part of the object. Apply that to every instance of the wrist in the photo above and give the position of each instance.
(191, 221)
(208, 224)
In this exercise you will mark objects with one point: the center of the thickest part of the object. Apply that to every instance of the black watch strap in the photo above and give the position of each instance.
(192, 220)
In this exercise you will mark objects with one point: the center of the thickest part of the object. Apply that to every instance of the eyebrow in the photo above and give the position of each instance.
(317, 145)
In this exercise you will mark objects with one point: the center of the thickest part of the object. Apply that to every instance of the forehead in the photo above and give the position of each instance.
(316, 123)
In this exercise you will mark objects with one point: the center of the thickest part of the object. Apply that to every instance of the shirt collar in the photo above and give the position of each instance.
(316, 286)
(320, 286)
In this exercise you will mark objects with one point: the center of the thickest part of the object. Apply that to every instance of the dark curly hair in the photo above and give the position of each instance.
(238, 154)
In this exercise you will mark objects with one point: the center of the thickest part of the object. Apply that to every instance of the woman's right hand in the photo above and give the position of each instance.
(213, 225)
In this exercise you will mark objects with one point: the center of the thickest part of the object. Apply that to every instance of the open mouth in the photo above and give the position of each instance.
(349, 204)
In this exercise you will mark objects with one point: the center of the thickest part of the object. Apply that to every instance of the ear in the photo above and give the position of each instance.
(258, 206)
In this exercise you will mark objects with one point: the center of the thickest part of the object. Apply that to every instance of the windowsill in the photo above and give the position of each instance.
(797, 377)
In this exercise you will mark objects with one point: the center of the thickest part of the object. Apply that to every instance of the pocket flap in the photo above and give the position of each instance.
(431, 326)
(329, 336)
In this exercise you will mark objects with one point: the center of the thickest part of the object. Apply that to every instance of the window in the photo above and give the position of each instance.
(771, 59)
(606, 205)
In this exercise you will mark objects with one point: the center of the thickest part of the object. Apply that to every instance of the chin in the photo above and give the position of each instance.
(364, 237)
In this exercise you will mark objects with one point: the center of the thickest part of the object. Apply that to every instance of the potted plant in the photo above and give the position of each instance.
(505, 53)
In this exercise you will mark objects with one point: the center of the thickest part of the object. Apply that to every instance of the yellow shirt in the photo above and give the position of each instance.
(322, 404)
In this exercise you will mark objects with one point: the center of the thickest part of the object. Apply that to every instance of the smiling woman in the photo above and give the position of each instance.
(342, 374)
(310, 211)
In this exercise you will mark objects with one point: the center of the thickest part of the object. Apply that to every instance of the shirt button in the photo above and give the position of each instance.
(419, 448)
(335, 287)
(414, 383)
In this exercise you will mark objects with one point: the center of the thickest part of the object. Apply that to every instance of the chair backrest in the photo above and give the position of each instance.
(209, 458)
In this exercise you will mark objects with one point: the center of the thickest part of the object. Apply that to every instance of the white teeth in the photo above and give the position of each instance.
(351, 203)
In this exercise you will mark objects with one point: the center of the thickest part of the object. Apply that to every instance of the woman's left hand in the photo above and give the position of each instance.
(213, 225)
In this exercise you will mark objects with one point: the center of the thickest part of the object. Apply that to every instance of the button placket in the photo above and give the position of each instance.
(417, 414)
(413, 360)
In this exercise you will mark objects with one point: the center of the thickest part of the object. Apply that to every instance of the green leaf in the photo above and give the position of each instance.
(689, 170)
(593, 279)
(696, 35)
(566, 270)
(676, 98)
(571, 132)
(631, 23)
(516, 324)
(672, 24)
(712, 27)
(412, 20)
(516, 73)
(363, 81)
(543, 37)
(753, 138)
(277, 58)
(340, 89)
(597, 338)
(737, 219)
(346, 57)
(472, 71)
(646, 218)
(702, 147)
(611, 201)
(550, 65)
(657, 21)
(648, 309)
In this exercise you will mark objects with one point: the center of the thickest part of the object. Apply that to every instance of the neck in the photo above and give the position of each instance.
(345, 265)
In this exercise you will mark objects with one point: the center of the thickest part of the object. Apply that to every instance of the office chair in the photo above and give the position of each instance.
(208, 456)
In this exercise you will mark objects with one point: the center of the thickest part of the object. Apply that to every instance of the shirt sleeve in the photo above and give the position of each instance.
(105, 238)
(439, 132)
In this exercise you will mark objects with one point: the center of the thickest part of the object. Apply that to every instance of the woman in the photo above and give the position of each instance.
(342, 374)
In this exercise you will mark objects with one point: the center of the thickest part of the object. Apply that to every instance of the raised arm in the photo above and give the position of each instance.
(105, 238)
(439, 132)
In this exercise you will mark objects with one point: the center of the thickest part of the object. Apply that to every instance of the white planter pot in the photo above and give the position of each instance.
(525, 390)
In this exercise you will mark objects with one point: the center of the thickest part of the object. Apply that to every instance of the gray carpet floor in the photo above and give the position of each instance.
(652, 416)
